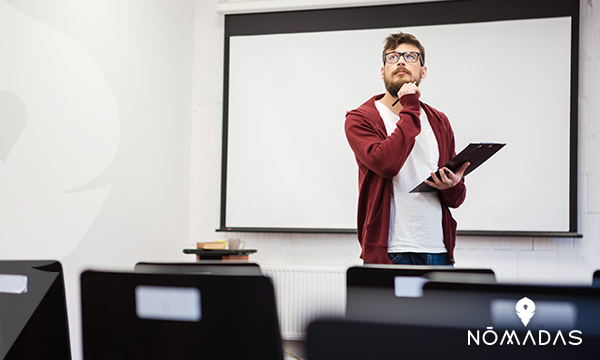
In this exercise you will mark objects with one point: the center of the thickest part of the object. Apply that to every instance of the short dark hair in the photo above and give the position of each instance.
(395, 40)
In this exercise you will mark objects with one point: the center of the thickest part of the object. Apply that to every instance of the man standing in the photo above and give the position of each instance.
(398, 141)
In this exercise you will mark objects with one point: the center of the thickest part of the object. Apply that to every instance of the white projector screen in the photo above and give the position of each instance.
(288, 166)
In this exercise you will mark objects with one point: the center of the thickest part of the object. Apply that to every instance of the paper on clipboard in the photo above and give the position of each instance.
(475, 153)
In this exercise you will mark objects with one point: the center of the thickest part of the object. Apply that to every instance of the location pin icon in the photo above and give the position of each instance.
(13, 118)
(525, 310)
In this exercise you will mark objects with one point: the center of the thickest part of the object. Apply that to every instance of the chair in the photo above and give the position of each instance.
(178, 316)
(33, 311)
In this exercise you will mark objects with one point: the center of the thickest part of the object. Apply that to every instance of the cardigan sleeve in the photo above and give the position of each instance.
(383, 154)
(454, 196)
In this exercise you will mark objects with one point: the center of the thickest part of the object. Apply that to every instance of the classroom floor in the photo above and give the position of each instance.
(295, 350)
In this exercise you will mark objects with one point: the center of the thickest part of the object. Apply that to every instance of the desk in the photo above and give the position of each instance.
(220, 254)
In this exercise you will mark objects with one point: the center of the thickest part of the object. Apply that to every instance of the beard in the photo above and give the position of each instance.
(393, 86)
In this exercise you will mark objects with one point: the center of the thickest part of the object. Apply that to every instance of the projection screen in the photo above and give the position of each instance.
(502, 71)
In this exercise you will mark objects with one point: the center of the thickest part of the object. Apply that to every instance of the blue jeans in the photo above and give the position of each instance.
(408, 258)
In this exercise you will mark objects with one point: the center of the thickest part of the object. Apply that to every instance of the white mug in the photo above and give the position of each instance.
(235, 244)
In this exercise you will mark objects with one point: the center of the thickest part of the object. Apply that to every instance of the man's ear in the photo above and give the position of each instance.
(382, 73)
(423, 72)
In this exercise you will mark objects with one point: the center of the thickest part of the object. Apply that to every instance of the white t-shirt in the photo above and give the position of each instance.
(416, 219)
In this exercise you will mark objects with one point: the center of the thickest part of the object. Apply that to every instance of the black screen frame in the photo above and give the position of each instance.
(411, 14)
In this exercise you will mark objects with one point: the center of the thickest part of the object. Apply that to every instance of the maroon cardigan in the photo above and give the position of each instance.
(380, 158)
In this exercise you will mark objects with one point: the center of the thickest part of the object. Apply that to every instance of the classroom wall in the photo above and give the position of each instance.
(95, 118)
(525, 260)
(110, 145)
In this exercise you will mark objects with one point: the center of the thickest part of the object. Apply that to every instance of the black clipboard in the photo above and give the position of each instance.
(475, 153)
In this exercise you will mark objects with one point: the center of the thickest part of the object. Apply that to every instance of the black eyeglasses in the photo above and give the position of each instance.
(409, 56)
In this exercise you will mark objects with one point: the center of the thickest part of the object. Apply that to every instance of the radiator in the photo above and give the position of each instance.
(306, 294)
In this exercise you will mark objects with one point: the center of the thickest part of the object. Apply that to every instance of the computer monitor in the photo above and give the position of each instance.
(372, 289)
(33, 310)
(596, 279)
(358, 340)
(214, 267)
(385, 275)
(471, 304)
(178, 316)
(501, 306)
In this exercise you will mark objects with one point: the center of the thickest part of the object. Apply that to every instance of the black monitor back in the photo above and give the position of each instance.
(557, 307)
(596, 279)
(33, 311)
(238, 318)
(356, 340)
(383, 276)
(203, 267)
(475, 305)
(371, 290)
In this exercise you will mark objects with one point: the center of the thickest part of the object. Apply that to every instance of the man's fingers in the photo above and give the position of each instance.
(409, 88)
(463, 168)
(444, 173)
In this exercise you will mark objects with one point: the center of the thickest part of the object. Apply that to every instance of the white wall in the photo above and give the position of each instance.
(96, 154)
(95, 111)
(526, 260)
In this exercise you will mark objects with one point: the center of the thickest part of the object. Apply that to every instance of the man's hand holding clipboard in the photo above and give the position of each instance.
(446, 178)
(462, 164)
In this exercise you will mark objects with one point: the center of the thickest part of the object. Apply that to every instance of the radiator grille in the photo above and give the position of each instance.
(305, 294)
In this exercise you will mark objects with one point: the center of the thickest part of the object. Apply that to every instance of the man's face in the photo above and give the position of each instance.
(396, 75)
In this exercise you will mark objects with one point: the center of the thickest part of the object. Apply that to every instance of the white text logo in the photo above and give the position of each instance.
(525, 310)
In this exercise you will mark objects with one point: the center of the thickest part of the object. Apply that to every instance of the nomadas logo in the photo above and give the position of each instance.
(525, 310)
